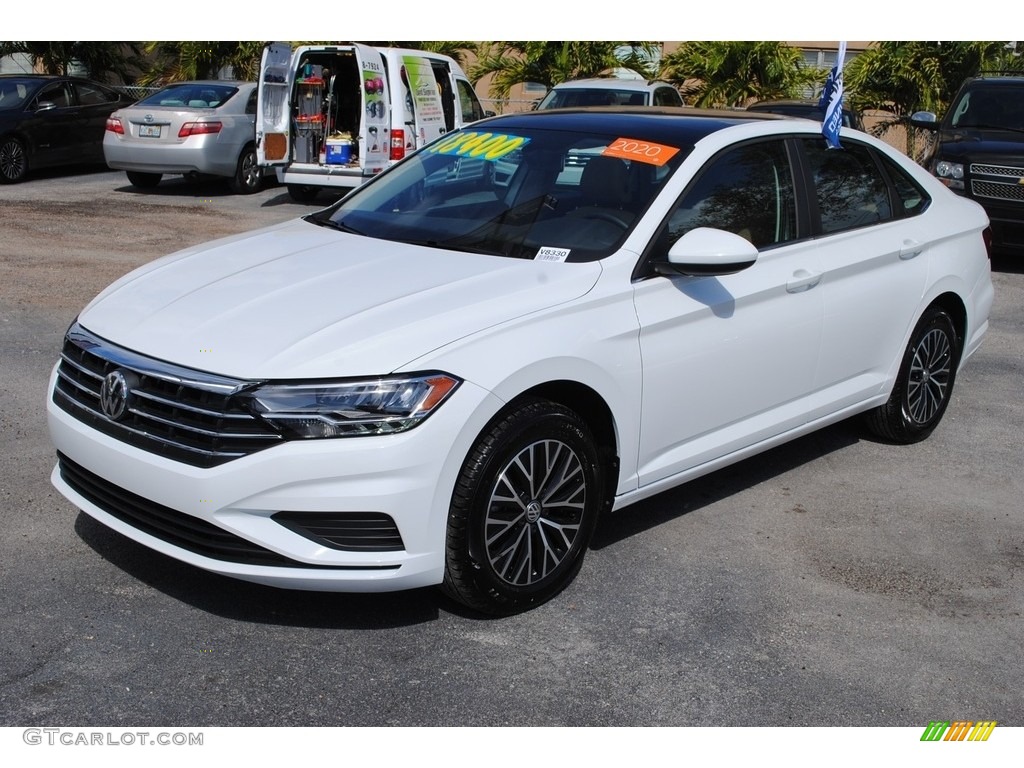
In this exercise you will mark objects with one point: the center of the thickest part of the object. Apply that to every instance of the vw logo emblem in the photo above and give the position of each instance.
(114, 395)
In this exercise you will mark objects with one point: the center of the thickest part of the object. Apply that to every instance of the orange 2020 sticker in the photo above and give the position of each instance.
(642, 151)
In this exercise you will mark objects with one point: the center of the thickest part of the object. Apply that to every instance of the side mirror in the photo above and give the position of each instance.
(45, 106)
(926, 120)
(704, 251)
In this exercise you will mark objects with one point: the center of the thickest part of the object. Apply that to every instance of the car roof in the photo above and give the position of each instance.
(610, 83)
(672, 125)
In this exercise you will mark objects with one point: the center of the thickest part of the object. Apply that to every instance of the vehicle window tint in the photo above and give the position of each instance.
(468, 103)
(667, 97)
(912, 198)
(747, 191)
(850, 189)
(90, 94)
(56, 93)
(250, 105)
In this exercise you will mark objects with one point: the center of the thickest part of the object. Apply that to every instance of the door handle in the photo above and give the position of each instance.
(910, 249)
(803, 280)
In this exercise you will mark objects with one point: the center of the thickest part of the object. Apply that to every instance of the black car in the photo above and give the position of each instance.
(979, 152)
(47, 120)
(807, 109)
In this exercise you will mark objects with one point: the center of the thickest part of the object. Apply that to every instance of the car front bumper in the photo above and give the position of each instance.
(220, 518)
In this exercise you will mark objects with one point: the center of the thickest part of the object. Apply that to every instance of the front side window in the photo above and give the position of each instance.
(747, 190)
(54, 93)
(850, 189)
(558, 195)
(469, 104)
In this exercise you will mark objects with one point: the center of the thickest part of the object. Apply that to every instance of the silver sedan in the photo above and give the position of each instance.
(193, 129)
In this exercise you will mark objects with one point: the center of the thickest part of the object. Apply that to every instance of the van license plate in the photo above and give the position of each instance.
(149, 131)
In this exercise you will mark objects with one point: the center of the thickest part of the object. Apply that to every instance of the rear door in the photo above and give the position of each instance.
(273, 106)
(375, 130)
(424, 85)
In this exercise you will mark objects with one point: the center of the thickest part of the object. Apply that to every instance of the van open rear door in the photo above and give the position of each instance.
(273, 110)
(423, 92)
(374, 134)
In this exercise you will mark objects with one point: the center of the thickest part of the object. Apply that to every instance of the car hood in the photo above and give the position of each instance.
(963, 142)
(301, 301)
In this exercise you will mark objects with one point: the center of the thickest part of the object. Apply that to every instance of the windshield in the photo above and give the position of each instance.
(533, 194)
(593, 97)
(990, 107)
(14, 93)
(190, 95)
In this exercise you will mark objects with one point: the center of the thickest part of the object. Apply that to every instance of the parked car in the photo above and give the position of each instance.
(807, 109)
(979, 152)
(194, 129)
(48, 121)
(448, 380)
(611, 92)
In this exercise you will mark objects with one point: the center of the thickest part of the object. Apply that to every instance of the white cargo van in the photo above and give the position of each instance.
(334, 115)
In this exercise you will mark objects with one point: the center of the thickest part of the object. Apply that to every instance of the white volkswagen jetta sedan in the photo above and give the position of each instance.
(448, 376)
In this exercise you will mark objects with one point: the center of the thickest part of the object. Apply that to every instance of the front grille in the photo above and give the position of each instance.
(998, 190)
(351, 531)
(184, 531)
(164, 523)
(1003, 182)
(183, 414)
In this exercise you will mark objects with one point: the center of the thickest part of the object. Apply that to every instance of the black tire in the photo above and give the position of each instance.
(924, 383)
(303, 193)
(524, 510)
(13, 160)
(143, 180)
(248, 176)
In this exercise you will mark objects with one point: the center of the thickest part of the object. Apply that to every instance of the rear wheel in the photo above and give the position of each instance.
(248, 176)
(303, 193)
(143, 180)
(13, 160)
(523, 511)
(924, 383)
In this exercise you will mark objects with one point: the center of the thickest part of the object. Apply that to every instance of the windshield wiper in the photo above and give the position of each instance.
(331, 224)
(990, 127)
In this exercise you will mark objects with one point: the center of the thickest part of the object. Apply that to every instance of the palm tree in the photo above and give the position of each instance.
(99, 59)
(552, 62)
(192, 60)
(732, 73)
(904, 77)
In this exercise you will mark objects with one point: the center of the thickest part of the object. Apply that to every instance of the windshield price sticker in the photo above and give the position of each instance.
(552, 254)
(642, 151)
(482, 146)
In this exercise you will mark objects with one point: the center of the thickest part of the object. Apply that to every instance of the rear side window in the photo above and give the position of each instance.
(91, 94)
(849, 186)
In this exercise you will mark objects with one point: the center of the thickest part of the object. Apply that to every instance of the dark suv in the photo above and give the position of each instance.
(980, 152)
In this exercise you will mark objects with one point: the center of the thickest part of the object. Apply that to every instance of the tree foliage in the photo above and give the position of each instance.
(195, 60)
(903, 77)
(732, 73)
(100, 59)
(552, 62)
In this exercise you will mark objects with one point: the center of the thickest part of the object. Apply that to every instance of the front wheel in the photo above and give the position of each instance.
(924, 383)
(524, 509)
(248, 176)
(13, 160)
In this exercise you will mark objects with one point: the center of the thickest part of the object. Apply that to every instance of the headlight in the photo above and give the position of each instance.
(352, 408)
(950, 174)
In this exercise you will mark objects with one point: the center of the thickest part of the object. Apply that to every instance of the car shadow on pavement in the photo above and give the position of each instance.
(724, 482)
(244, 601)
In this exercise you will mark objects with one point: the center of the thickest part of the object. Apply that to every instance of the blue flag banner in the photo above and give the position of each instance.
(832, 101)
